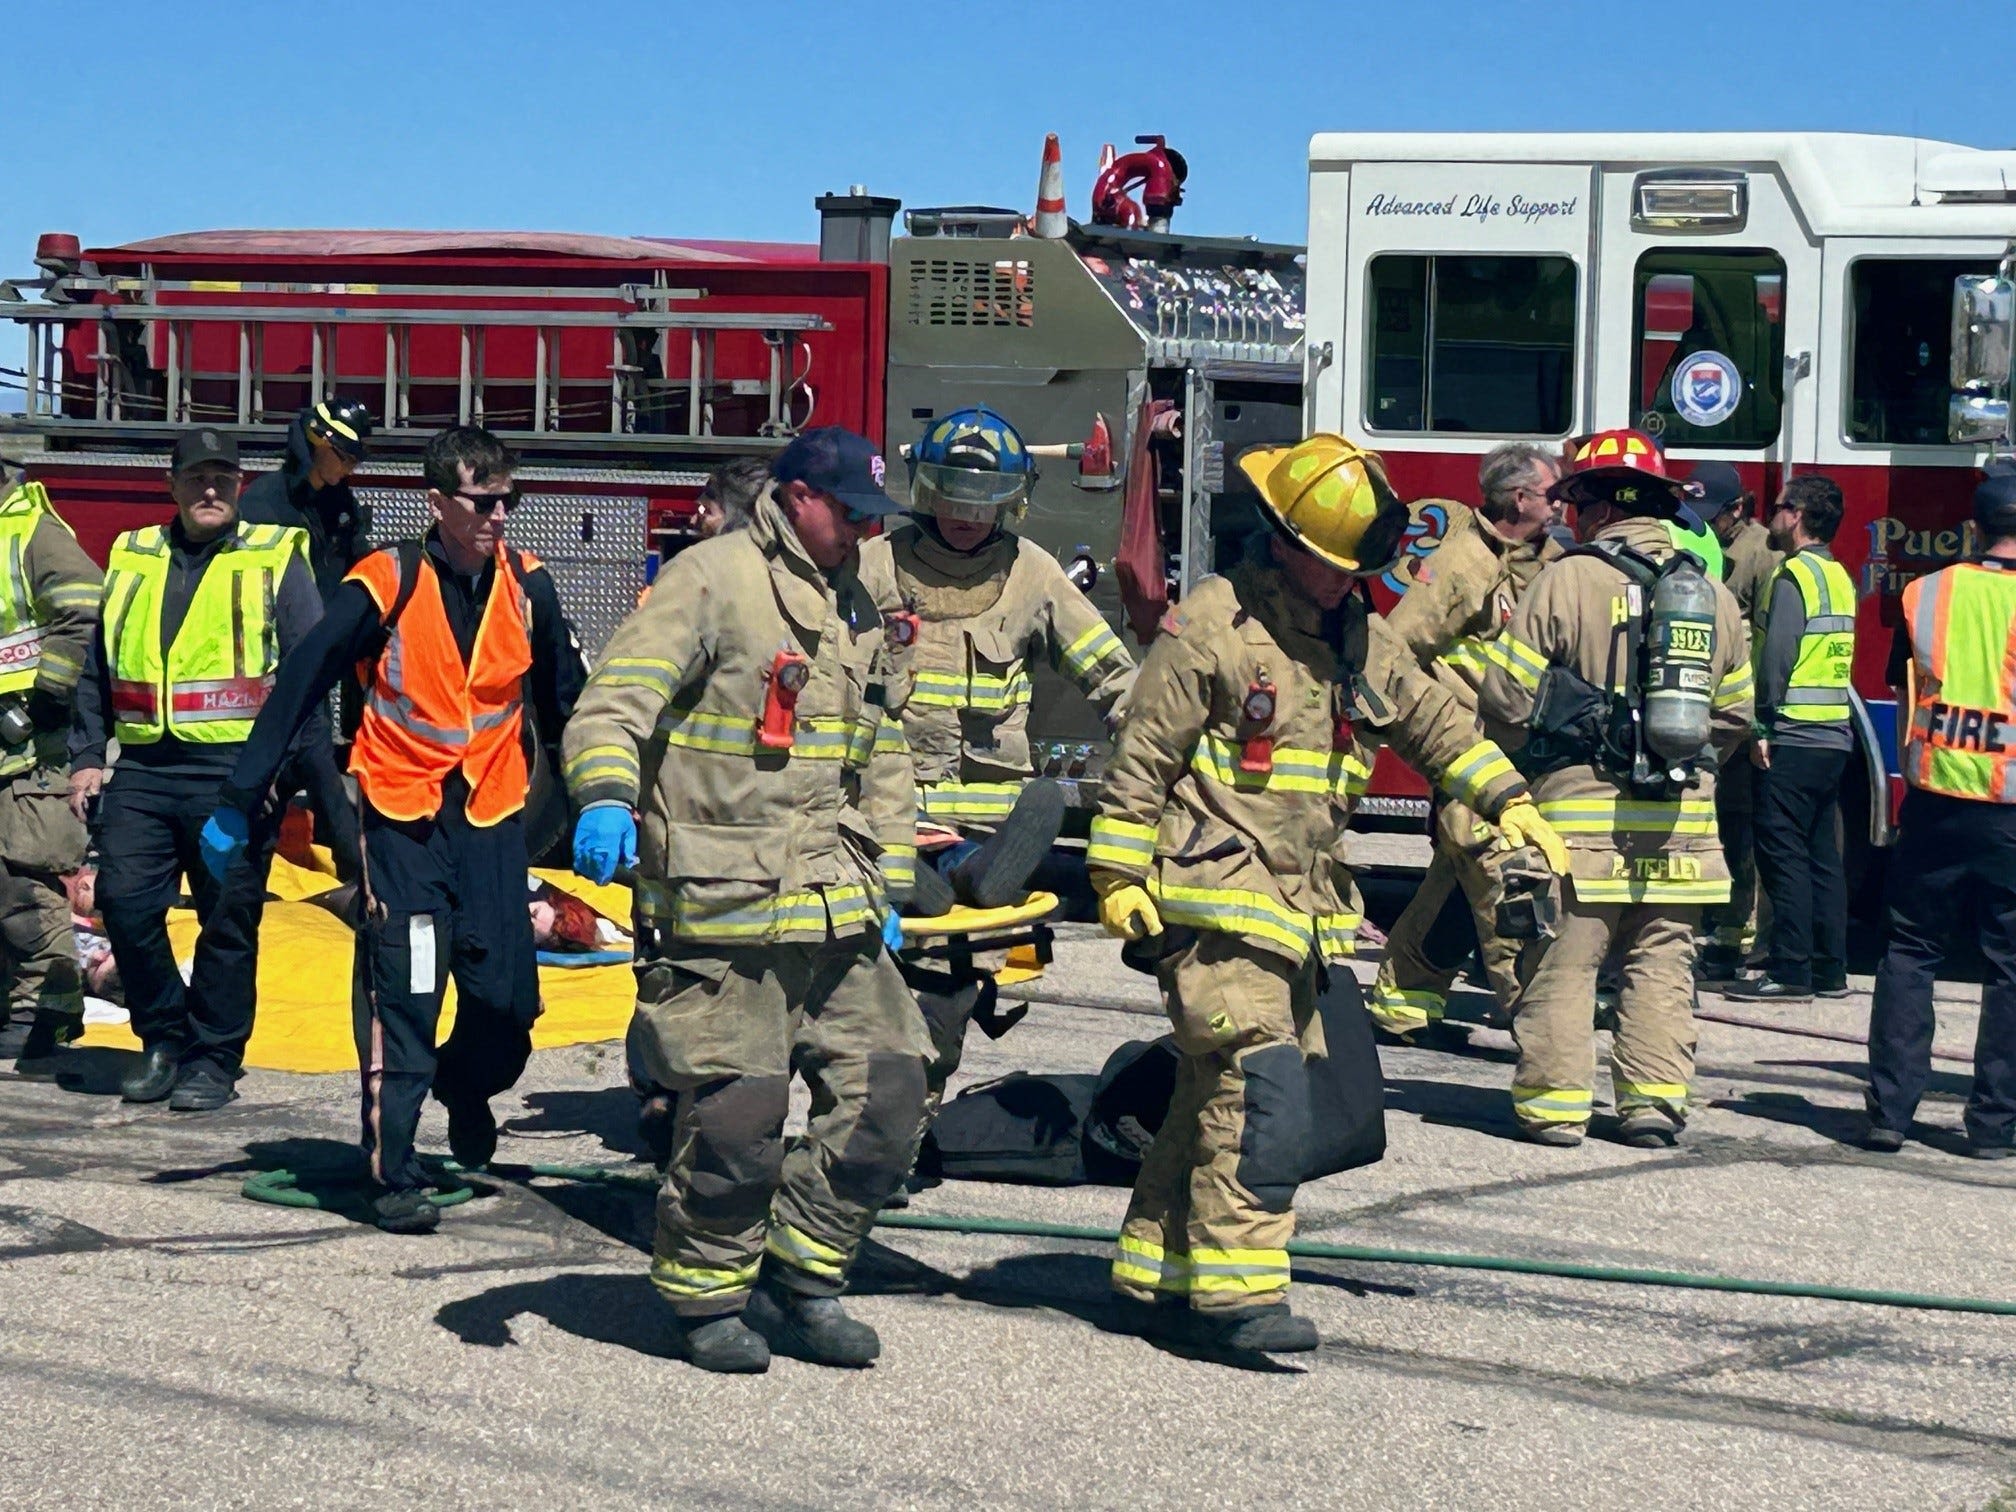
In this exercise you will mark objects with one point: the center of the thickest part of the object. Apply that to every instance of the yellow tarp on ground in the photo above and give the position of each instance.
(304, 981)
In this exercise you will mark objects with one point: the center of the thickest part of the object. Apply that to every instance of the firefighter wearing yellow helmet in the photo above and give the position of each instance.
(1220, 830)
(1624, 674)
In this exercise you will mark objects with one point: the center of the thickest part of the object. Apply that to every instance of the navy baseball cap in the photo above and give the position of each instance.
(1995, 502)
(833, 460)
(1715, 488)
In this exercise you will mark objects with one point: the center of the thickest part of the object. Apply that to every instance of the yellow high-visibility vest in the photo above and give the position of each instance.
(211, 683)
(1817, 692)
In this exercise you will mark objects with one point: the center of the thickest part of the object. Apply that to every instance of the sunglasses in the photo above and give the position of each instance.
(488, 503)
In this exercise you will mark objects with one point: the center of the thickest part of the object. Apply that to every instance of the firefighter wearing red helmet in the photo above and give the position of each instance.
(1579, 688)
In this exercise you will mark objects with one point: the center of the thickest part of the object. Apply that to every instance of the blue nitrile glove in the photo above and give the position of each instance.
(225, 836)
(605, 837)
(892, 932)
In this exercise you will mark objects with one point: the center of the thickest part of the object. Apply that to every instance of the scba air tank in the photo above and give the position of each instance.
(1680, 663)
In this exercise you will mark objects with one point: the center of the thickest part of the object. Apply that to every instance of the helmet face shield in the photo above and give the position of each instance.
(965, 493)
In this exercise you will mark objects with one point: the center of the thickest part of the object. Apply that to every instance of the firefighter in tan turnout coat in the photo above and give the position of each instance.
(1221, 827)
(1644, 860)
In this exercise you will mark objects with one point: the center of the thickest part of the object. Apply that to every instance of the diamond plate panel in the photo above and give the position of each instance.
(593, 544)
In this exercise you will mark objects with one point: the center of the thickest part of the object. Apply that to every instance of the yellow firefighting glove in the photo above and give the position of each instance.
(1125, 907)
(1521, 825)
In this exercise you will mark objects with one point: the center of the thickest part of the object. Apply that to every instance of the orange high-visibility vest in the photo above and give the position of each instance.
(1963, 661)
(426, 714)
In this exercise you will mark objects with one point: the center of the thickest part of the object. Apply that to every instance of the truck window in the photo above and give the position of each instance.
(1900, 332)
(1471, 344)
(1710, 346)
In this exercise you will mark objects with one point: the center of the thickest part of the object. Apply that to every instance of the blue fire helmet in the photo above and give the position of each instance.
(971, 465)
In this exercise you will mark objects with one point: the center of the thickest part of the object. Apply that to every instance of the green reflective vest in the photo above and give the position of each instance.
(21, 626)
(211, 683)
(1818, 690)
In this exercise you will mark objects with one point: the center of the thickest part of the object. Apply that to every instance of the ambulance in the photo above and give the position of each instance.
(1787, 303)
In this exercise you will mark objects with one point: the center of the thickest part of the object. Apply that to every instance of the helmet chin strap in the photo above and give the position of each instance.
(928, 523)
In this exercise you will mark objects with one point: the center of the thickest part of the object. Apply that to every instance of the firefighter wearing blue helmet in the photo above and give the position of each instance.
(974, 604)
(978, 604)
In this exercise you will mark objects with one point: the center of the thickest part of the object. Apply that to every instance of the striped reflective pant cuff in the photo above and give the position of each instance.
(791, 1246)
(1398, 1010)
(1668, 1097)
(1210, 1277)
(1550, 1105)
(703, 1290)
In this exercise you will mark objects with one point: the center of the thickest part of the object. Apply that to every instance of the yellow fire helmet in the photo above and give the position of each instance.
(1331, 499)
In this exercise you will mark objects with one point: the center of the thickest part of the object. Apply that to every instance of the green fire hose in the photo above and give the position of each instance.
(282, 1187)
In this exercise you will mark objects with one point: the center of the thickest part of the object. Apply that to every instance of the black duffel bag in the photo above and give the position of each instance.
(1065, 1129)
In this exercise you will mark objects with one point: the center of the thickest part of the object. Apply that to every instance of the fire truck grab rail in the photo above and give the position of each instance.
(111, 388)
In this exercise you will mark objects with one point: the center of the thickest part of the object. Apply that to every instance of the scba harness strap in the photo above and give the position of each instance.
(1574, 722)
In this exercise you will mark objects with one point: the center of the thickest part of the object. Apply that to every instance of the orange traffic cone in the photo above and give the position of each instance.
(1050, 220)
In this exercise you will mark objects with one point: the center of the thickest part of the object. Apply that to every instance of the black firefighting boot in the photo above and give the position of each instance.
(803, 1327)
(1272, 1329)
(998, 872)
(725, 1346)
(932, 895)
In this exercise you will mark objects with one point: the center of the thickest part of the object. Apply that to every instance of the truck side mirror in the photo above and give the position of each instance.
(1972, 418)
(1984, 321)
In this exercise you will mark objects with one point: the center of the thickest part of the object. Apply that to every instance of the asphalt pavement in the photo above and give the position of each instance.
(168, 1343)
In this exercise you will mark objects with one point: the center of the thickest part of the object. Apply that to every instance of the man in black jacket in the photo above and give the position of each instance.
(310, 491)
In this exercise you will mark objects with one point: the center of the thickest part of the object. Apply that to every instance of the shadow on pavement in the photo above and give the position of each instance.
(1842, 1125)
(609, 1113)
(1453, 1104)
(89, 1070)
(625, 1311)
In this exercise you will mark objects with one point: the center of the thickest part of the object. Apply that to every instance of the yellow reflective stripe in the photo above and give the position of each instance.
(823, 739)
(1145, 1263)
(1472, 773)
(1121, 843)
(1603, 816)
(1337, 935)
(601, 763)
(1235, 911)
(889, 740)
(950, 802)
(73, 596)
(60, 662)
(861, 743)
(808, 910)
(1737, 686)
(796, 1248)
(977, 690)
(661, 677)
(1248, 1271)
(1400, 1008)
(1551, 1104)
(685, 1282)
(1648, 890)
(899, 867)
(1517, 660)
(1294, 770)
(1638, 1094)
(1467, 656)
(1091, 648)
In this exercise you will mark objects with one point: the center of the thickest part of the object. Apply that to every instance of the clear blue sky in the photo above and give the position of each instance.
(724, 120)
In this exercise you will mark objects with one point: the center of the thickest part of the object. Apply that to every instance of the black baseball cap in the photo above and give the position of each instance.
(833, 460)
(1995, 502)
(1715, 487)
(205, 445)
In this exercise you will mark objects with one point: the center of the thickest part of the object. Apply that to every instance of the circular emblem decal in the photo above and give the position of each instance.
(1706, 389)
